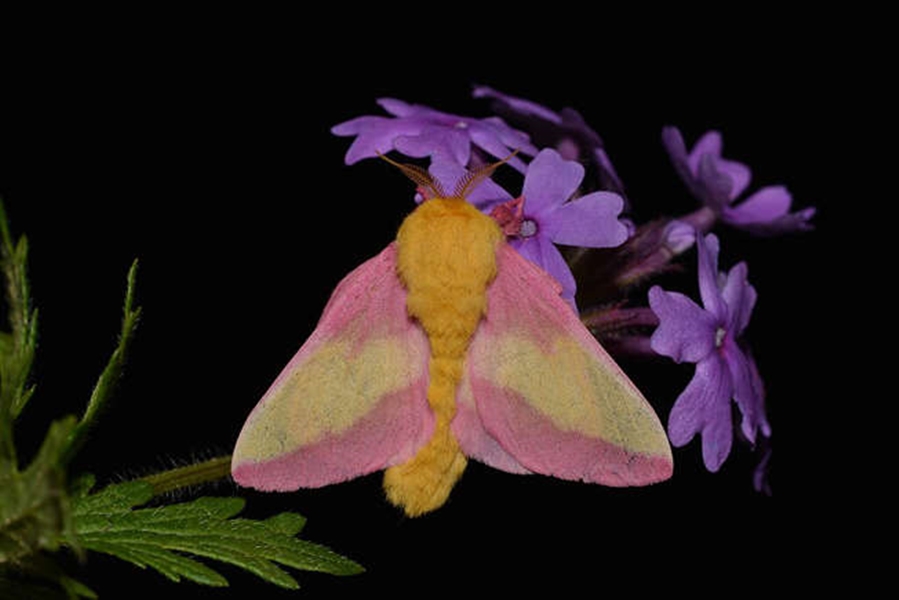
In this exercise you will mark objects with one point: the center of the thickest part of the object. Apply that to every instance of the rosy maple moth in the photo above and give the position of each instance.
(449, 345)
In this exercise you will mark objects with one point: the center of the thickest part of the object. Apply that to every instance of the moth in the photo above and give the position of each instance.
(449, 346)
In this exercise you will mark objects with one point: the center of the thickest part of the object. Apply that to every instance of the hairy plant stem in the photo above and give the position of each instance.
(190, 475)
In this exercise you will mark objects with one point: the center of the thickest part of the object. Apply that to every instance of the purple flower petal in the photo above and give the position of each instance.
(374, 134)
(550, 180)
(590, 221)
(704, 407)
(501, 141)
(713, 187)
(796, 221)
(519, 105)
(398, 108)
(544, 254)
(677, 152)
(686, 332)
(711, 144)
(765, 205)
(354, 126)
(679, 236)
(740, 175)
(740, 298)
(708, 145)
(744, 393)
(446, 172)
(766, 212)
(433, 140)
(707, 248)
(760, 419)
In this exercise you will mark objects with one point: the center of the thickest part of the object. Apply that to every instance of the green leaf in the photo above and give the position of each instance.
(18, 345)
(111, 373)
(34, 506)
(74, 588)
(286, 523)
(161, 537)
(81, 486)
(6, 344)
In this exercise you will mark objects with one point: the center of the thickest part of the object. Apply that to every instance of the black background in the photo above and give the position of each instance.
(205, 152)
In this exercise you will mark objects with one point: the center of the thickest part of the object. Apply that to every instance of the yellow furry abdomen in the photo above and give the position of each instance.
(446, 258)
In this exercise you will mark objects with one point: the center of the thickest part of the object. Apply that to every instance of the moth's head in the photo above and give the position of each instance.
(430, 188)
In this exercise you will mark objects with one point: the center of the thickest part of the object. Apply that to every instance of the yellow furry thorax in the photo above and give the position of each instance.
(446, 259)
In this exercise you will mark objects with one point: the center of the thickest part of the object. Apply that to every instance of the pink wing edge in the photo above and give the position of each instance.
(391, 432)
(499, 428)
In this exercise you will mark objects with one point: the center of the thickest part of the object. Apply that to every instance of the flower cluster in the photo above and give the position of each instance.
(536, 219)
(555, 205)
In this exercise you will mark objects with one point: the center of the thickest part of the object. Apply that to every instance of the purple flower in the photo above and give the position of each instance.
(710, 337)
(718, 182)
(566, 131)
(542, 217)
(418, 131)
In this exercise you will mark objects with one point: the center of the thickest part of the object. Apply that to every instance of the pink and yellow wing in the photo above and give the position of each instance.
(353, 398)
(541, 395)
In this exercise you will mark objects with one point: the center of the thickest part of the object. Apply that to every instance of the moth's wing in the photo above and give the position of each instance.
(353, 398)
(469, 430)
(550, 396)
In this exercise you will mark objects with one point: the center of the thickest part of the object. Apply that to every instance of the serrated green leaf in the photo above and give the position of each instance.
(113, 499)
(173, 566)
(161, 537)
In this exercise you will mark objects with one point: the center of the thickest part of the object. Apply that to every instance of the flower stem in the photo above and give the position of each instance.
(702, 220)
(635, 346)
(615, 318)
(195, 474)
